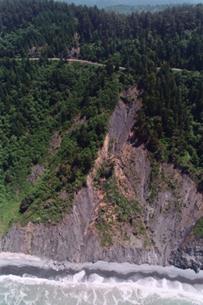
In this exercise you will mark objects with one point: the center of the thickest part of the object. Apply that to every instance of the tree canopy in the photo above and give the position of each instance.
(43, 103)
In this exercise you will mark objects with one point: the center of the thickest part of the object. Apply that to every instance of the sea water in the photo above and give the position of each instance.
(26, 280)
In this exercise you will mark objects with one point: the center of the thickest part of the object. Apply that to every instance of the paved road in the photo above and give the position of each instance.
(176, 69)
(73, 60)
(88, 62)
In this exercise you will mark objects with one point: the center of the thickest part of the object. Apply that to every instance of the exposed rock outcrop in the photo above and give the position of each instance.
(169, 202)
(36, 172)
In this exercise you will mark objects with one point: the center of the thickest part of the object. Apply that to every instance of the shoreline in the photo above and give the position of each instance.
(18, 264)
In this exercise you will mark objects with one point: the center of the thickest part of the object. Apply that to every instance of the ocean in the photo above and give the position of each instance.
(26, 280)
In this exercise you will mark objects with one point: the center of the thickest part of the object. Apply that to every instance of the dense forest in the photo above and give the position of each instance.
(171, 120)
(47, 28)
(44, 106)
(72, 102)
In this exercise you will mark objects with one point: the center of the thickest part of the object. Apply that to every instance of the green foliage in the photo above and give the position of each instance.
(117, 209)
(198, 229)
(138, 41)
(170, 123)
(36, 101)
(104, 172)
(126, 209)
(104, 229)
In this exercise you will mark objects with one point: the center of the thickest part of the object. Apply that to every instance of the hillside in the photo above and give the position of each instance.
(45, 109)
(132, 208)
(135, 3)
(99, 162)
(138, 41)
(129, 9)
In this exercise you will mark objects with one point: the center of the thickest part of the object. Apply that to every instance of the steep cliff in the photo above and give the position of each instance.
(133, 209)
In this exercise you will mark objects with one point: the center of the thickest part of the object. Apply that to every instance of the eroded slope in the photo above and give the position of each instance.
(132, 209)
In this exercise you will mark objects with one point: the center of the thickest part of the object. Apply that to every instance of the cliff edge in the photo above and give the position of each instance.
(133, 209)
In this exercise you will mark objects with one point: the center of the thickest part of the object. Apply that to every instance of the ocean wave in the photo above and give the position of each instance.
(125, 282)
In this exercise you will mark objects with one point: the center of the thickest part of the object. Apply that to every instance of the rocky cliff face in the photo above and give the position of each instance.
(125, 181)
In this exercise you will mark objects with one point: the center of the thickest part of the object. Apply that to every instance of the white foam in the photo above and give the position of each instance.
(19, 259)
(95, 278)
(142, 287)
(78, 277)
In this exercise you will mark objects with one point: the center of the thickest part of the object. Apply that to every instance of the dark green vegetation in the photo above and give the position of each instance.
(42, 103)
(36, 101)
(117, 209)
(198, 229)
(138, 41)
(125, 209)
(171, 121)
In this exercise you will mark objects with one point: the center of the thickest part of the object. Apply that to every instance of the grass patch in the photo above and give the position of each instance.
(198, 228)
(117, 211)
(126, 209)
(104, 228)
